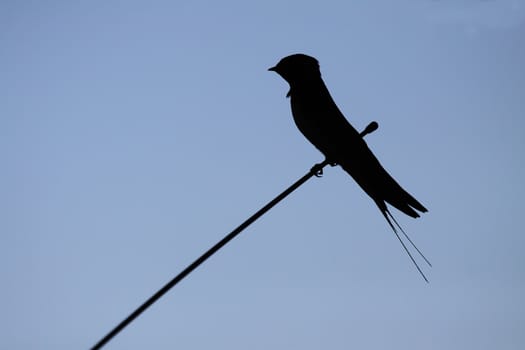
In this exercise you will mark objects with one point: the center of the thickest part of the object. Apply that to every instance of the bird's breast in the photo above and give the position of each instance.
(307, 115)
(320, 121)
(311, 113)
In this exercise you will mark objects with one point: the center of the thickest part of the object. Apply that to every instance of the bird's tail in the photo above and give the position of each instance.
(389, 218)
(402, 200)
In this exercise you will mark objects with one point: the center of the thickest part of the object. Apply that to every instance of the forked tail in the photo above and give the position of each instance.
(386, 213)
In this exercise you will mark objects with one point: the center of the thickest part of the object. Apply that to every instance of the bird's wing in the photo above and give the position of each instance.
(353, 154)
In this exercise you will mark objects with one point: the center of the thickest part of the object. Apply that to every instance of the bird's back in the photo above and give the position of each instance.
(322, 123)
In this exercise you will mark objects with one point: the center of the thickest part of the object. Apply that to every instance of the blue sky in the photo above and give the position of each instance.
(136, 134)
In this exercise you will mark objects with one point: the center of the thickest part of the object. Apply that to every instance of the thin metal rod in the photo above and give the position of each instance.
(316, 170)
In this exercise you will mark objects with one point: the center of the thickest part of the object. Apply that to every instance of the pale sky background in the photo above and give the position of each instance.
(136, 134)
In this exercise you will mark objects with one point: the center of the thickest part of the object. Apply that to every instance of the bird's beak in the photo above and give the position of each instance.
(273, 69)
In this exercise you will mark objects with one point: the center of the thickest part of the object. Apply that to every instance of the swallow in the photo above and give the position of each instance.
(319, 119)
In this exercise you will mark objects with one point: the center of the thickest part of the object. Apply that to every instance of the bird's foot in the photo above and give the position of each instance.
(317, 169)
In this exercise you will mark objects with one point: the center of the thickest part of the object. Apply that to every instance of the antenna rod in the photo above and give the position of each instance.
(316, 170)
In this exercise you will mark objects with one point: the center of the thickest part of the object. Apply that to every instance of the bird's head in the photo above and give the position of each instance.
(297, 68)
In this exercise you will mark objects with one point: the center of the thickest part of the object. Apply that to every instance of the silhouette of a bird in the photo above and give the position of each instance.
(322, 123)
